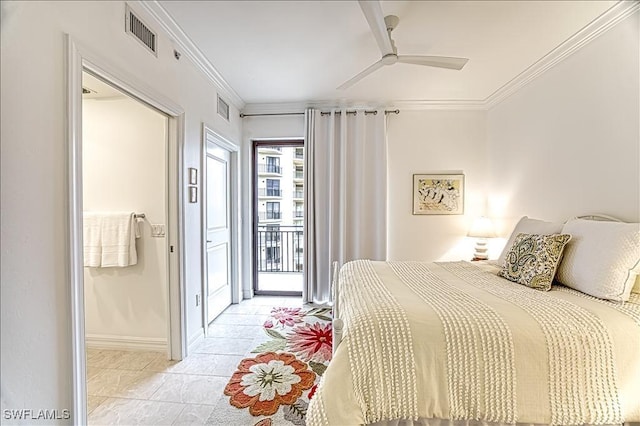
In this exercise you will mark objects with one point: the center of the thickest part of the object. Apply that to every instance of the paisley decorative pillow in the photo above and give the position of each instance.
(533, 259)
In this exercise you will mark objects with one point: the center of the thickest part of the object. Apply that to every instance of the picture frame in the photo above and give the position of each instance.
(193, 194)
(193, 176)
(438, 194)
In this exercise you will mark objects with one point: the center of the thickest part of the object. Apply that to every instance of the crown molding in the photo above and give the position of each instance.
(440, 105)
(191, 50)
(595, 28)
(297, 107)
(618, 12)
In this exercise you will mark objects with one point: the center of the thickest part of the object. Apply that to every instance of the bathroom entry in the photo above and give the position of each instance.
(124, 170)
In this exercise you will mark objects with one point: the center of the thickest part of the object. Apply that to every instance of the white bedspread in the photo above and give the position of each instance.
(455, 341)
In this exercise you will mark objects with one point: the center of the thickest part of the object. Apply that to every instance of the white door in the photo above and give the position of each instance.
(218, 230)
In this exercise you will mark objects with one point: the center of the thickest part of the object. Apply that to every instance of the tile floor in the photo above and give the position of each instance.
(127, 388)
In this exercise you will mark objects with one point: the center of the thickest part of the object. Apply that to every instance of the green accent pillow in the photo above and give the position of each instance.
(533, 259)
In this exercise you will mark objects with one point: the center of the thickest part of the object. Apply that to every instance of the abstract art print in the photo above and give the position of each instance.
(438, 194)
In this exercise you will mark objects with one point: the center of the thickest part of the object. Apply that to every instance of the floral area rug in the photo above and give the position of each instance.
(275, 386)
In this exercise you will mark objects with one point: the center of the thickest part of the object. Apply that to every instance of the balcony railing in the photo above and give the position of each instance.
(298, 194)
(299, 174)
(280, 251)
(269, 192)
(269, 215)
(298, 213)
(299, 155)
(269, 168)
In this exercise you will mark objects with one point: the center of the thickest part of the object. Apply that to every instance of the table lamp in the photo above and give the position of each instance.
(481, 229)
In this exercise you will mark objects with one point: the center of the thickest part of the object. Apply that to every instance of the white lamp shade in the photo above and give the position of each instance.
(482, 227)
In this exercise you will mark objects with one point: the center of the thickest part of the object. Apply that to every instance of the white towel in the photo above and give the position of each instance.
(92, 238)
(110, 239)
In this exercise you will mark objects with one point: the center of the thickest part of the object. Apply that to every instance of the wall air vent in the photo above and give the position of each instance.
(223, 108)
(141, 32)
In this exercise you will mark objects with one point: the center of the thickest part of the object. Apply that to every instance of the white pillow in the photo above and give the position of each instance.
(602, 259)
(529, 226)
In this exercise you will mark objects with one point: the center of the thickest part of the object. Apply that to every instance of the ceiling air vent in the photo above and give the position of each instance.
(223, 108)
(140, 31)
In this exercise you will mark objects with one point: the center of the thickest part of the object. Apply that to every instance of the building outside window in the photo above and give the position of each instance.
(273, 210)
(279, 178)
(273, 188)
(273, 165)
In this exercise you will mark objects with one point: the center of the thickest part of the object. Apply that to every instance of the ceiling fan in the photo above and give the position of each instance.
(381, 28)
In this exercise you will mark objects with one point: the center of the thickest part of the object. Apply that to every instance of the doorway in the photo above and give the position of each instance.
(220, 224)
(124, 173)
(81, 60)
(278, 226)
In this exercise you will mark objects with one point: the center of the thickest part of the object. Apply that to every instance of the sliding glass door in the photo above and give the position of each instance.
(278, 205)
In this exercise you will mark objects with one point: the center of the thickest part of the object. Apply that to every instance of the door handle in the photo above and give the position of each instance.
(209, 241)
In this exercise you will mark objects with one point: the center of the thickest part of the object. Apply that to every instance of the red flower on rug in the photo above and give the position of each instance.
(311, 342)
(285, 317)
(267, 381)
(312, 391)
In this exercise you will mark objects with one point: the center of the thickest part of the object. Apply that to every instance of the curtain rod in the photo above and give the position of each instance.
(393, 111)
(242, 115)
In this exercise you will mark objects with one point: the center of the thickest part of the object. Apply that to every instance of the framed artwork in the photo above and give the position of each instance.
(438, 194)
(193, 176)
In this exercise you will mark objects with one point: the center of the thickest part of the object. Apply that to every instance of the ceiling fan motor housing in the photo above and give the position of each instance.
(391, 21)
(389, 59)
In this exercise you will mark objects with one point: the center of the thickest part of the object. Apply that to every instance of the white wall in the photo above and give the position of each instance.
(254, 128)
(434, 141)
(125, 169)
(35, 299)
(568, 143)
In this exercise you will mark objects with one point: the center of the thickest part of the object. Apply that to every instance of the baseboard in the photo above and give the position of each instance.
(129, 343)
(194, 340)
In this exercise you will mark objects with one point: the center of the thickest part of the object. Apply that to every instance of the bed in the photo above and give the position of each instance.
(456, 343)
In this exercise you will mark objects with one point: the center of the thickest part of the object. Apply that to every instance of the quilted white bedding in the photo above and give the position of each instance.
(455, 341)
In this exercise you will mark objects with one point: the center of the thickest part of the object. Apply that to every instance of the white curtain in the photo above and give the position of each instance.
(345, 194)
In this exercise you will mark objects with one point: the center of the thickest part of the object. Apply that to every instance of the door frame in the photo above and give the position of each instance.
(211, 136)
(255, 144)
(80, 59)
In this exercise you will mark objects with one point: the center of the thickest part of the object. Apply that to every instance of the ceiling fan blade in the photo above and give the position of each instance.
(360, 76)
(434, 61)
(373, 12)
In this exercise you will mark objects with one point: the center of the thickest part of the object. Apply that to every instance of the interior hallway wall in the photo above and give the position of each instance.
(36, 345)
(125, 169)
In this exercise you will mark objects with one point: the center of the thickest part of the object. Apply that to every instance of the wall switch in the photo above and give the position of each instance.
(157, 230)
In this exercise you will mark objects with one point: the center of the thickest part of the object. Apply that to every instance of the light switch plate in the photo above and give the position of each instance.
(157, 230)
